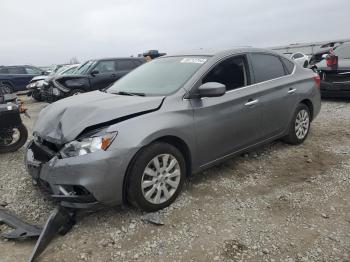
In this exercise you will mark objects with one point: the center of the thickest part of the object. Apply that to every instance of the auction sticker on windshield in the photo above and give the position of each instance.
(193, 60)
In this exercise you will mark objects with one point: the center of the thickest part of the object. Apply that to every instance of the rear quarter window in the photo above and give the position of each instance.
(266, 67)
(288, 64)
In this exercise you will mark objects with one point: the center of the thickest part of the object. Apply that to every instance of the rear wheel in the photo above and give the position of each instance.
(13, 139)
(156, 177)
(6, 89)
(300, 125)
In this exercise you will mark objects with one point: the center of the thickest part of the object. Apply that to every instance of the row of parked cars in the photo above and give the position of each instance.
(332, 64)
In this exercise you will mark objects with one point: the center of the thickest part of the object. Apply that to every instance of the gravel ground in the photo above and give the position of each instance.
(279, 203)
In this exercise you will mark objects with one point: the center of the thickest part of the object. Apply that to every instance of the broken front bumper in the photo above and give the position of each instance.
(79, 182)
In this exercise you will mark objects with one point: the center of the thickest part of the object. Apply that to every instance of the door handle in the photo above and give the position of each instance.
(251, 102)
(292, 90)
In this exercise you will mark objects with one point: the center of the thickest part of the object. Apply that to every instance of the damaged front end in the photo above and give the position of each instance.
(40, 160)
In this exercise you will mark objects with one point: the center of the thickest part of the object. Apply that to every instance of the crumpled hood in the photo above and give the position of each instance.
(37, 78)
(64, 120)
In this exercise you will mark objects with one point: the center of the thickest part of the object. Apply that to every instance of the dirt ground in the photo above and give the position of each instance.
(279, 203)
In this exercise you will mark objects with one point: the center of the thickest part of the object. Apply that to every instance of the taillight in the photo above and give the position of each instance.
(332, 60)
(317, 80)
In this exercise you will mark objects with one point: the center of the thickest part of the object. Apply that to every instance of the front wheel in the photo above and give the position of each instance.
(37, 96)
(13, 139)
(75, 92)
(300, 125)
(156, 177)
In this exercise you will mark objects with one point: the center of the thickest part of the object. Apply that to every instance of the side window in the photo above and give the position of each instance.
(288, 64)
(125, 65)
(105, 66)
(266, 67)
(297, 55)
(232, 73)
(17, 70)
(32, 71)
(343, 51)
(137, 63)
(4, 70)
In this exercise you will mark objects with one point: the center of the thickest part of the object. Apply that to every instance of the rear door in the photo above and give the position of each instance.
(278, 93)
(106, 74)
(20, 77)
(231, 122)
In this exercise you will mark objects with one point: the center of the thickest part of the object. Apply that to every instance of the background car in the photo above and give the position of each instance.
(317, 55)
(16, 78)
(301, 59)
(92, 75)
(37, 83)
(334, 72)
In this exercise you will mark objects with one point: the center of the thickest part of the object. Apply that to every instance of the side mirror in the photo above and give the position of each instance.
(44, 73)
(211, 89)
(94, 72)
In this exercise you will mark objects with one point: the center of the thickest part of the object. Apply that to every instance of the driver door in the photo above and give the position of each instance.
(106, 74)
(226, 124)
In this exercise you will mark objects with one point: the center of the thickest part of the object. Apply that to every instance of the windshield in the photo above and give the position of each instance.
(69, 70)
(162, 76)
(84, 68)
(60, 70)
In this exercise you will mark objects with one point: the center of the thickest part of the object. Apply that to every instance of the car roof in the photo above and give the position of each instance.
(118, 58)
(221, 53)
(20, 66)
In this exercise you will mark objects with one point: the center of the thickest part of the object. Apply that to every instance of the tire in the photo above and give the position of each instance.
(21, 141)
(37, 96)
(296, 135)
(75, 92)
(159, 182)
(6, 89)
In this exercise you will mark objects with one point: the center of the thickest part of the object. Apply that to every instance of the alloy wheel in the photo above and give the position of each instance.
(161, 178)
(302, 124)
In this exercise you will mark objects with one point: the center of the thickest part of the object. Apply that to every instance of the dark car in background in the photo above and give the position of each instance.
(16, 78)
(334, 72)
(92, 75)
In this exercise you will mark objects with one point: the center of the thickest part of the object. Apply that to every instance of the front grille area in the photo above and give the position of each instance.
(43, 150)
(39, 153)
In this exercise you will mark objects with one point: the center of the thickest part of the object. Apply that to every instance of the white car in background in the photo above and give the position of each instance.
(301, 59)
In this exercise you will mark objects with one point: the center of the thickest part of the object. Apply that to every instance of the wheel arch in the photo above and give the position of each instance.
(309, 104)
(175, 141)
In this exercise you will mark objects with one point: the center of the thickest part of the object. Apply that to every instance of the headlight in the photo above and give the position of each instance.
(40, 83)
(31, 85)
(56, 91)
(88, 145)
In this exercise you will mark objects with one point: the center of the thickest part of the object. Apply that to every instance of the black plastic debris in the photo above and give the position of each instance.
(21, 229)
(60, 221)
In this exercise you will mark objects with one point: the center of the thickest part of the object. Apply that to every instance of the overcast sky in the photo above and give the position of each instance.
(42, 32)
